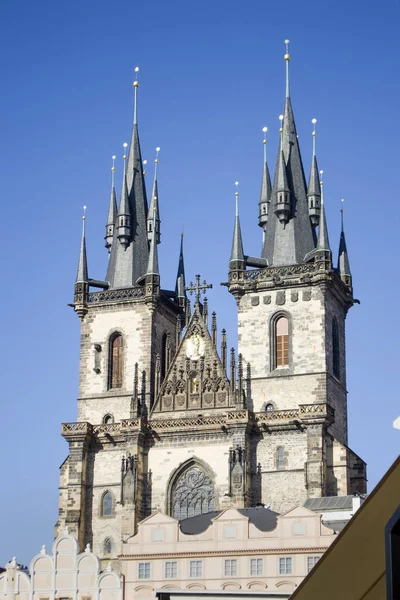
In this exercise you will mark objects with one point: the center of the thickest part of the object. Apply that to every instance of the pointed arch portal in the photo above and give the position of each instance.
(191, 492)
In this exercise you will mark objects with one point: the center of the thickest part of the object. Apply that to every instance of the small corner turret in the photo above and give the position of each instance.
(282, 190)
(265, 196)
(343, 258)
(154, 206)
(237, 263)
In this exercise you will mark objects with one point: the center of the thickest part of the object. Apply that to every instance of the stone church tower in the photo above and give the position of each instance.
(165, 420)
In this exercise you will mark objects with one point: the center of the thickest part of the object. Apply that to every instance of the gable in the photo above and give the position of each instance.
(299, 511)
(230, 514)
(196, 378)
(157, 518)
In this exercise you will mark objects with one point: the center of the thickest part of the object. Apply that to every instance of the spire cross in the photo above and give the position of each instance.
(198, 288)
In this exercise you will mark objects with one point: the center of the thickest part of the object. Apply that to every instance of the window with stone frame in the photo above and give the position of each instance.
(269, 407)
(281, 342)
(285, 565)
(171, 569)
(116, 359)
(311, 562)
(280, 457)
(335, 349)
(107, 505)
(256, 567)
(192, 493)
(196, 568)
(230, 567)
(107, 546)
(144, 570)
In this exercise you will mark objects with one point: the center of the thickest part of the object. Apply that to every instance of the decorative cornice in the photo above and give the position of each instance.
(227, 552)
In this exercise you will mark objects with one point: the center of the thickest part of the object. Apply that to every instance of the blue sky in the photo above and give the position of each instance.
(212, 75)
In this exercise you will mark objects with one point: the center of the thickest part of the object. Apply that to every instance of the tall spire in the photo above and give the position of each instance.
(81, 290)
(124, 214)
(112, 210)
(152, 264)
(82, 274)
(323, 238)
(288, 242)
(265, 195)
(154, 205)
(237, 255)
(343, 259)
(128, 264)
(282, 191)
(180, 278)
(314, 188)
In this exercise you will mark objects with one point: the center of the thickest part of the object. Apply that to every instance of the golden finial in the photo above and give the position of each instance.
(237, 198)
(136, 80)
(125, 145)
(265, 129)
(113, 170)
(84, 213)
(287, 58)
(135, 87)
(341, 213)
(321, 173)
(144, 167)
(281, 128)
(314, 134)
(287, 55)
(83, 221)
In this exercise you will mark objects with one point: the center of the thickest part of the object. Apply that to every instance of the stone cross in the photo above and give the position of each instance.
(198, 288)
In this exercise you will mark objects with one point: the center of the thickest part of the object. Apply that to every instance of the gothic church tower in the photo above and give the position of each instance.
(291, 317)
(167, 418)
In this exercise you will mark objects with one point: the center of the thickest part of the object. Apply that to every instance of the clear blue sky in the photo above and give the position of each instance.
(212, 75)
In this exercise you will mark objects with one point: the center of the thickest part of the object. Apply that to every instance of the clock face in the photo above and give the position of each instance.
(195, 347)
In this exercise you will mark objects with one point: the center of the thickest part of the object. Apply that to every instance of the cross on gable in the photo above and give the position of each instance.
(198, 288)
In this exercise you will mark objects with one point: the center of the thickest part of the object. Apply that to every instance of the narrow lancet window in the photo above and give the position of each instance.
(280, 458)
(107, 546)
(282, 342)
(335, 349)
(116, 361)
(107, 505)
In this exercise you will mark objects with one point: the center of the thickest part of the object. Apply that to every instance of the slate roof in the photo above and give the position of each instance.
(262, 518)
(329, 503)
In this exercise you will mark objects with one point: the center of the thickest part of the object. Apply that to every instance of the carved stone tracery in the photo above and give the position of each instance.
(192, 494)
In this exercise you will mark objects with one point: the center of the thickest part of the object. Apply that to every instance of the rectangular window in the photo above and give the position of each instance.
(256, 566)
(285, 566)
(144, 570)
(196, 568)
(171, 569)
(230, 569)
(311, 562)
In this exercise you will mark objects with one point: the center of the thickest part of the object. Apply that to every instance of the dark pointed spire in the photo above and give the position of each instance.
(343, 258)
(82, 274)
(127, 265)
(281, 184)
(314, 188)
(180, 278)
(112, 210)
(154, 205)
(323, 238)
(265, 195)
(152, 264)
(124, 227)
(81, 289)
(288, 243)
(237, 255)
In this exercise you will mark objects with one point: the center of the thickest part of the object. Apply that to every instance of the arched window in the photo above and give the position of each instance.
(335, 349)
(281, 342)
(116, 358)
(108, 419)
(192, 493)
(280, 457)
(107, 505)
(107, 546)
(269, 407)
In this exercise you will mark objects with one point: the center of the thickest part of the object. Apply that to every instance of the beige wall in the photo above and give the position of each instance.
(298, 534)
